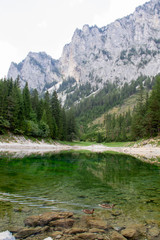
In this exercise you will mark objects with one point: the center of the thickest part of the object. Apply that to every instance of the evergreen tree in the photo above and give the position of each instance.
(35, 103)
(64, 125)
(56, 115)
(27, 102)
(71, 126)
(153, 112)
(138, 120)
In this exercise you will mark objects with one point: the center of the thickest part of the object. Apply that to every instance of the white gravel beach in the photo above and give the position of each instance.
(27, 147)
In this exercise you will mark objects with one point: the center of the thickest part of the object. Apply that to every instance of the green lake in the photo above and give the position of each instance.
(72, 181)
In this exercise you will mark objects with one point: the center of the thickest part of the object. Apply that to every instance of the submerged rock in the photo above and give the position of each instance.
(97, 224)
(154, 232)
(26, 232)
(129, 233)
(45, 218)
(75, 230)
(89, 236)
(66, 223)
(56, 234)
(117, 236)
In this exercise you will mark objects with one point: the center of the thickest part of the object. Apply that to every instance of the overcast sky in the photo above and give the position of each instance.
(47, 25)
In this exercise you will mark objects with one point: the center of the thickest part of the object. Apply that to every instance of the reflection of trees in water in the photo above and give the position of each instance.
(69, 175)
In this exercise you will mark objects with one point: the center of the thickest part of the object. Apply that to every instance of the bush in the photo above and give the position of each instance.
(32, 129)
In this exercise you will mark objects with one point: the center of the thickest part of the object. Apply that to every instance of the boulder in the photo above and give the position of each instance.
(97, 224)
(56, 234)
(66, 223)
(134, 231)
(45, 218)
(154, 232)
(88, 236)
(75, 230)
(32, 221)
(117, 236)
(129, 233)
(26, 232)
(6, 235)
(96, 230)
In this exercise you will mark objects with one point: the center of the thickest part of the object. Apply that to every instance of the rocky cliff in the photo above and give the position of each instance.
(38, 69)
(120, 51)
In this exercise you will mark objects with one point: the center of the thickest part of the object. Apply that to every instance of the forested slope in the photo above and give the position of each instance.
(137, 122)
(25, 112)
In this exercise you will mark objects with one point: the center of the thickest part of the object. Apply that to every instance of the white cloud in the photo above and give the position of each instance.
(43, 24)
(73, 3)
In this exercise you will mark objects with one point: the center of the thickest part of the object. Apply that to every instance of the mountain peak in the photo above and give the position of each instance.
(121, 51)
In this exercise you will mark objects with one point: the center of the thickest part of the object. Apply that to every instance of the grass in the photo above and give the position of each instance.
(77, 143)
(119, 144)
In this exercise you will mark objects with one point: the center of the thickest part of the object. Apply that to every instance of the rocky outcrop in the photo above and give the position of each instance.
(46, 218)
(66, 226)
(26, 232)
(38, 69)
(120, 51)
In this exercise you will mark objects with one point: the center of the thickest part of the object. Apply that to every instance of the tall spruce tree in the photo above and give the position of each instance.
(27, 102)
(56, 115)
(153, 111)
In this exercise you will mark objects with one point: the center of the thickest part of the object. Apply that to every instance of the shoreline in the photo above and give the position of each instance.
(148, 153)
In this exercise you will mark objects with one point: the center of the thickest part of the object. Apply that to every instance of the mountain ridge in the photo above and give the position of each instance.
(119, 52)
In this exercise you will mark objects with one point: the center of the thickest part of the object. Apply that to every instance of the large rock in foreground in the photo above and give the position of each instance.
(46, 218)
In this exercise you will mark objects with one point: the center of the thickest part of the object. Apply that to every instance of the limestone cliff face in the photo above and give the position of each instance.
(38, 69)
(120, 51)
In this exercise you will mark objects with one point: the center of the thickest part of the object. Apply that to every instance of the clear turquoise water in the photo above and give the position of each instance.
(73, 181)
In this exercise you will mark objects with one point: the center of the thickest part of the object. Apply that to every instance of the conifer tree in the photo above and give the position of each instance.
(153, 113)
(27, 102)
(35, 103)
(71, 126)
(56, 115)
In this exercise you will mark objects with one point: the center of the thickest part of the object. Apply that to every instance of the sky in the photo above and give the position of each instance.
(47, 25)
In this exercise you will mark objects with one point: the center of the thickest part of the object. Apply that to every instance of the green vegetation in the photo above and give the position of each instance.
(24, 112)
(118, 144)
(81, 92)
(77, 143)
(146, 117)
(143, 122)
(109, 97)
(67, 84)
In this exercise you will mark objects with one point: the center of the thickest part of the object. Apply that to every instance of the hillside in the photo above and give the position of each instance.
(128, 104)
(114, 112)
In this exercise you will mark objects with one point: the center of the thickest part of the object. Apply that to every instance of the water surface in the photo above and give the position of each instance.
(73, 181)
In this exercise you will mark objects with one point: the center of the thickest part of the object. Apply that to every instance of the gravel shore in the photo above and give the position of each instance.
(146, 152)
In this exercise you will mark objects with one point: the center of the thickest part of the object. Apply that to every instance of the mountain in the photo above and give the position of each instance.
(118, 52)
(38, 69)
